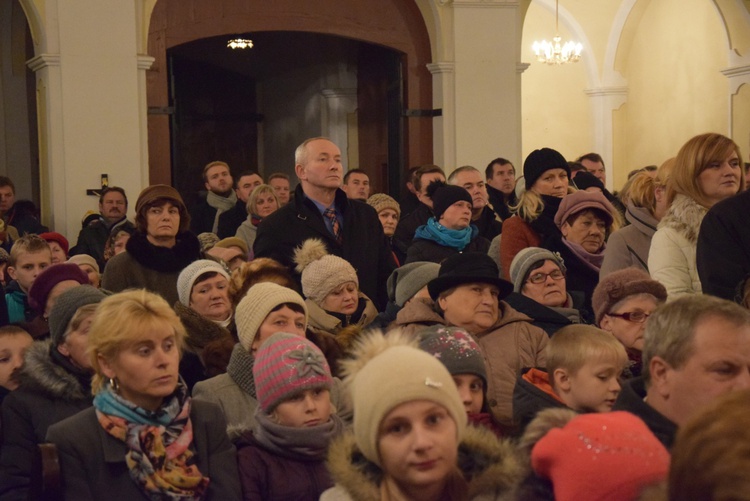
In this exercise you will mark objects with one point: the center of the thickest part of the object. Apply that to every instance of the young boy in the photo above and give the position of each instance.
(13, 344)
(584, 365)
(29, 255)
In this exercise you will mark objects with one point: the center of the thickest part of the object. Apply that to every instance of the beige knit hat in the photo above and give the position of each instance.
(387, 371)
(321, 272)
(257, 304)
(381, 201)
(80, 259)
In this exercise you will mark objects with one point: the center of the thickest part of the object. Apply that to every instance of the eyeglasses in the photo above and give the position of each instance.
(632, 316)
(540, 278)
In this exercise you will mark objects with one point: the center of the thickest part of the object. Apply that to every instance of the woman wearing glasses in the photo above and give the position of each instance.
(538, 277)
(622, 303)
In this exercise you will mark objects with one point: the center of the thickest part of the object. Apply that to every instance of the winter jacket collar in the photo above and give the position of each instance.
(642, 219)
(44, 372)
(684, 216)
(488, 465)
(164, 259)
(332, 322)
(200, 330)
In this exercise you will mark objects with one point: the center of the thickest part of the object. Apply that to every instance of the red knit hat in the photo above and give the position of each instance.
(286, 364)
(53, 236)
(600, 457)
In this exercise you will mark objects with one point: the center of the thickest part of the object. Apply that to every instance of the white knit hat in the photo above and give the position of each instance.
(258, 302)
(190, 274)
(321, 272)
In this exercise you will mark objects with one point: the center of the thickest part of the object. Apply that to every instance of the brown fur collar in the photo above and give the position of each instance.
(200, 330)
(489, 465)
(684, 216)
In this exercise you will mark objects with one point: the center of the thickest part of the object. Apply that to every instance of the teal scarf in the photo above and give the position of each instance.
(456, 239)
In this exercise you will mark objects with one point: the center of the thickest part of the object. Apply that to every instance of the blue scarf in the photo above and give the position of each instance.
(456, 239)
(110, 403)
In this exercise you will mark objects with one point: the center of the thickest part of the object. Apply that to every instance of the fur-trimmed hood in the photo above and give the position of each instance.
(490, 466)
(200, 330)
(42, 374)
(684, 216)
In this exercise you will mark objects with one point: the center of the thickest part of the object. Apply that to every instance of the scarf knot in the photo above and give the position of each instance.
(456, 239)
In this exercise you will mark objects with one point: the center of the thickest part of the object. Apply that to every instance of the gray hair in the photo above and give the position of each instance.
(465, 168)
(300, 154)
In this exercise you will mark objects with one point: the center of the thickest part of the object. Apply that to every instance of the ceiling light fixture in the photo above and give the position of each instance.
(556, 52)
(240, 43)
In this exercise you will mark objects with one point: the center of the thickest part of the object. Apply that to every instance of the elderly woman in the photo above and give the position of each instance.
(547, 176)
(646, 206)
(449, 231)
(89, 266)
(622, 303)
(144, 437)
(585, 219)
(55, 383)
(206, 312)
(159, 249)
(261, 203)
(389, 213)
(539, 284)
(331, 286)
(468, 293)
(708, 169)
(409, 423)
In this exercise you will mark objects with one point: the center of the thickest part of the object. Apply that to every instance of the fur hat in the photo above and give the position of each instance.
(192, 272)
(387, 371)
(444, 195)
(620, 284)
(467, 268)
(381, 201)
(580, 200)
(253, 309)
(53, 236)
(51, 276)
(321, 272)
(527, 258)
(226, 243)
(207, 240)
(409, 279)
(598, 456)
(456, 350)
(80, 259)
(540, 161)
(287, 364)
(66, 306)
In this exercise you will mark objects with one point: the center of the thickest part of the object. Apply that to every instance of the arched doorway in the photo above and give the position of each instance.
(365, 41)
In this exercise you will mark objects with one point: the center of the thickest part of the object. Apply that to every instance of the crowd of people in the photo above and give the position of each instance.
(488, 335)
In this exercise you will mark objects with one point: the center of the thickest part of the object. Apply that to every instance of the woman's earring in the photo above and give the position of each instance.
(113, 384)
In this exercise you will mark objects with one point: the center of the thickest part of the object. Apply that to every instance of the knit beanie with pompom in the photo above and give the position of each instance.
(321, 272)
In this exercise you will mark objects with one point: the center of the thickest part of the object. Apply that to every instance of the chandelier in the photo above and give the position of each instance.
(240, 43)
(556, 52)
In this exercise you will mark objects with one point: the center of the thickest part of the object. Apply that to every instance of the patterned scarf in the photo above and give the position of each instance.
(456, 239)
(159, 458)
(240, 369)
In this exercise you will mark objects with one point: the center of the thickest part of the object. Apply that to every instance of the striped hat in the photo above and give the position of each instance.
(285, 365)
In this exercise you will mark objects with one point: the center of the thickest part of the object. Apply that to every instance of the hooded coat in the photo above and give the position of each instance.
(489, 466)
(51, 389)
(508, 346)
(671, 259)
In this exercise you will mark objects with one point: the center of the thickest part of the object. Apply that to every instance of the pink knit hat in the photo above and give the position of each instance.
(287, 364)
(580, 200)
(600, 457)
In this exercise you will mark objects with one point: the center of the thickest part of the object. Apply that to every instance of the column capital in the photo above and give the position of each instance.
(339, 93)
(521, 67)
(145, 61)
(43, 61)
(441, 67)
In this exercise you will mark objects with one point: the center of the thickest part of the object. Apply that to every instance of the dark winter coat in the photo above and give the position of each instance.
(147, 266)
(531, 395)
(408, 225)
(723, 254)
(490, 466)
(230, 220)
(429, 250)
(364, 244)
(93, 238)
(631, 399)
(579, 277)
(488, 224)
(549, 319)
(499, 203)
(93, 462)
(51, 390)
(202, 215)
(271, 477)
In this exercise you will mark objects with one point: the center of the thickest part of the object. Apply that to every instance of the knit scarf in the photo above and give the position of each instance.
(221, 204)
(240, 369)
(159, 458)
(593, 261)
(456, 239)
(544, 225)
(302, 444)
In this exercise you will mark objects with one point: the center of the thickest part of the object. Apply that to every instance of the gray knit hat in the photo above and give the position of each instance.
(409, 279)
(192, 272)
(257, 304)
(66, 306)
(525, 259)
(321, 272)
(455, 348)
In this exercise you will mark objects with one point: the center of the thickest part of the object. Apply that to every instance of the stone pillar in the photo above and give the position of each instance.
(444, 127)
(604, 101)
(338, 104)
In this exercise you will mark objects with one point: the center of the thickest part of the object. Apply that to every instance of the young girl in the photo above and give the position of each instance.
(283, 456)
(408, 423)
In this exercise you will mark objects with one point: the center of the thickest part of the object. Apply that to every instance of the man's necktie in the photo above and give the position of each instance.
(331, 215)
